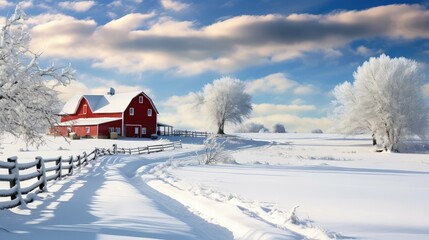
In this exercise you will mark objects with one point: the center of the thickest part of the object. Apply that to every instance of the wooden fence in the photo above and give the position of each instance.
(148, 149)
(186, 133)
(52, 169)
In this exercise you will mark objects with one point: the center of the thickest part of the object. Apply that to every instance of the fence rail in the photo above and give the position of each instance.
(186, 133)
(57, 168)
(148, 149)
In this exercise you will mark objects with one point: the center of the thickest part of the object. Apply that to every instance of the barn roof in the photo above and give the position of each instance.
(87, 121)
(103, 103)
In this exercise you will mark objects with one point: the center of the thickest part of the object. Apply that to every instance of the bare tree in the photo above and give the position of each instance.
(385, 100)
(27, 105)
(225, 101)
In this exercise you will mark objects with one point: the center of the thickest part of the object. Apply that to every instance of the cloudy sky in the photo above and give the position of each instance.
(290, 53)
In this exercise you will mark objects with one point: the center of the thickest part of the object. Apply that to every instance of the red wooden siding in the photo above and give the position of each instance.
(103, 129)
(80, 131)
(140, 118)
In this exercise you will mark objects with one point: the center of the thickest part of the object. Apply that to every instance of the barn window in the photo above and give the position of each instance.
(140, 99)
(118, 131)
(87, 130)
(111, 129)
(131, 111)
(85, 109)
(143, 131)
(149, 112)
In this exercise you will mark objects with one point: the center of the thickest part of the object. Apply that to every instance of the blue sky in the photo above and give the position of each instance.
(290, 53)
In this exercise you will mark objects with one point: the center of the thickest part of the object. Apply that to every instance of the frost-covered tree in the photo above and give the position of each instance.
(225, 101)
(27, 105)
(385, 100)
(279, 128)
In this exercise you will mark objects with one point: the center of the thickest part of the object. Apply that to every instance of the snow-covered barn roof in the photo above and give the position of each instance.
(103, 103)
(87, 121)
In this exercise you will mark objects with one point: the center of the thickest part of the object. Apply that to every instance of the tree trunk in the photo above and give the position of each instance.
(221, 127)
(220, 131)
(374, 141)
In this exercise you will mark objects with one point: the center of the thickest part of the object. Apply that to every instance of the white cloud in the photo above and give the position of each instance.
(174, 5)
(26, 4)
(183, 113)
(426, 89)
(268, 109)
(5, 3)
(116, 3)
(243, 41)
(270, 114)
(304, 89)
(81, 6)
(276, 82)
(294, 123)
(102, 86)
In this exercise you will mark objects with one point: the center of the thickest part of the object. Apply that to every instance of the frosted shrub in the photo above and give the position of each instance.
(279, 128)
(251, 127)
(214, 151)
(317, 130)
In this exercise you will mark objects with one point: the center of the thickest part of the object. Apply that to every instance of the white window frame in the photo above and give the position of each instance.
(85, 109)
(149, 112)
(118, 131)
(143, 131)
(136, 130)
(141, 99)
(87, 130)
(131, 111)
(111, 129)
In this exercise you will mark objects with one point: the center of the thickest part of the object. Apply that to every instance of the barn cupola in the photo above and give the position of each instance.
(111, 92)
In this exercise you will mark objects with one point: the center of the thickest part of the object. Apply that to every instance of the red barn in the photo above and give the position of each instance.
(128, 114)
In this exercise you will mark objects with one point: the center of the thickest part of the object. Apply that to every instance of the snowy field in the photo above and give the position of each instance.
(278, 186)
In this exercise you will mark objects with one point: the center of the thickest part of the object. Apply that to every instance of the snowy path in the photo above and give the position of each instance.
(106, 201)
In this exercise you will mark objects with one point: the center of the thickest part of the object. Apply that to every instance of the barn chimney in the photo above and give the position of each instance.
(111, 92)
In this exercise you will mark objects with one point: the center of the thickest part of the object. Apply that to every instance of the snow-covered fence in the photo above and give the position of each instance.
(22, 176)
(40, 168)
(149, 149)
(187, 133)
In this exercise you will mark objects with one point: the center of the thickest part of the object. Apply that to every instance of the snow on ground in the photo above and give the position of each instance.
(106, 201)
(340, 185)
(282, 186)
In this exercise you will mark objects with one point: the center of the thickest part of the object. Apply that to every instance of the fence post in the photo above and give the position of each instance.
(15, 181)
(148, 152)
(41, 168)
(71, 165)
(59, 165)
(115, 148)
(129, 150)
(78, 161)
(85, 158)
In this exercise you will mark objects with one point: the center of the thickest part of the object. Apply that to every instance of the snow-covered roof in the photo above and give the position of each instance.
(88, 121)
(103, 103)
